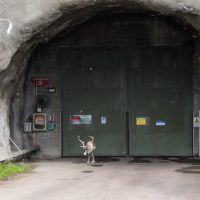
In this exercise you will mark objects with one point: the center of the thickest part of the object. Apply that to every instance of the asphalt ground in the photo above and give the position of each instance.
(111, 178)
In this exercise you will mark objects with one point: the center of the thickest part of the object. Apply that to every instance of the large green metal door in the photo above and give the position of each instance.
(93, 84)
(123, 85)
(160, 91)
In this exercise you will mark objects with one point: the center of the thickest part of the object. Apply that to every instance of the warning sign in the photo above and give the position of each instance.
(196, 122)
(141, 121)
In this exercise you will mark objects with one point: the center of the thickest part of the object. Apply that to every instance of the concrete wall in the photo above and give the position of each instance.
(43, 63)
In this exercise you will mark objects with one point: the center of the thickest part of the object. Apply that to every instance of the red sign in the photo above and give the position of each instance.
(40, 82)
(76, 118)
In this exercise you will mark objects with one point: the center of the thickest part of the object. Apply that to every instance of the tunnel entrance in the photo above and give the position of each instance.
(126, 80)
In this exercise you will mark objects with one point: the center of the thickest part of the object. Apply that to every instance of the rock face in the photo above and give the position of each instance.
(25, 24)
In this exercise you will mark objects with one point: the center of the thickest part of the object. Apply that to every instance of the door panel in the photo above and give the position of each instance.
(98, 92)
(160, 88)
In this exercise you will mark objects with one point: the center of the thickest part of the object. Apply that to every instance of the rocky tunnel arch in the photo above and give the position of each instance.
(47, 20)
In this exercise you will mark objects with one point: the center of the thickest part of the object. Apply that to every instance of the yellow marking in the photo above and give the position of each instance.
(141, 121)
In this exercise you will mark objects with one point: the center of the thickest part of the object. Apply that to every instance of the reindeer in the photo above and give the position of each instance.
(89, 148)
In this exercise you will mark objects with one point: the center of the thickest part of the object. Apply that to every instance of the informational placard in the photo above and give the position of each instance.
(196, 122)
(52, 90)
(39, 122)
(160, 123)
(40, 81)
(103, 120)
(81, 119)
(141, 121)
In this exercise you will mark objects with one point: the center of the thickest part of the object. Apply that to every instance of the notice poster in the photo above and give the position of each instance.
(160, 123)
(196, 122)
(141, 121)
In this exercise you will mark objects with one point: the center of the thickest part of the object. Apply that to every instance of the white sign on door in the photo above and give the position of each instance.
(103, 120)
(196, 122)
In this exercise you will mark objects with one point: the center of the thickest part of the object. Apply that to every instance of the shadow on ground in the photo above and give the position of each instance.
(190, 169)
(106, 159)
(192, 161)
(88, 171)
(98, 160)
(139, 160)
(181, 160)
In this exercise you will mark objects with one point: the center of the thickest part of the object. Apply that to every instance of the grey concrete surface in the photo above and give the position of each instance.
(116, 178)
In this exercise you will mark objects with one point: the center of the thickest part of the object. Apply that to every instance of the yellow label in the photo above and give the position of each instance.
(141, 121)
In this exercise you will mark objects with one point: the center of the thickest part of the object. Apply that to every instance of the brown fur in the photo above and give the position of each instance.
(89, 148)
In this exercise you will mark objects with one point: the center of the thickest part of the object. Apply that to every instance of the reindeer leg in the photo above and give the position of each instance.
(93, 160)
(88, 161)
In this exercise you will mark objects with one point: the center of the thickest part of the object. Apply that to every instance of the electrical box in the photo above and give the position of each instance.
(51, 126)
(27, 127)
(39, 122)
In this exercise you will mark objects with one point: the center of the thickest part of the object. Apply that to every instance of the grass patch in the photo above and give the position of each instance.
(11, 168)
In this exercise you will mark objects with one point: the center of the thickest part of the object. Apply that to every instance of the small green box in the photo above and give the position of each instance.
(51, 126)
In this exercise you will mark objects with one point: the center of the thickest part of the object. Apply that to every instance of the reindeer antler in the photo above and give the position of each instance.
(82, 142)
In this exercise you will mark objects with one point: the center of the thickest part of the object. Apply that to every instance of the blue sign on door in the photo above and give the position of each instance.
(160, 123)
